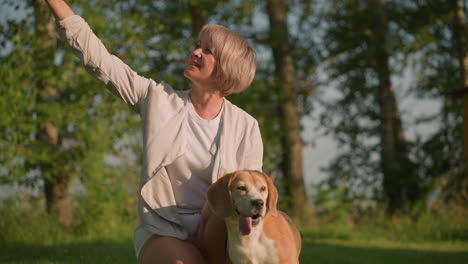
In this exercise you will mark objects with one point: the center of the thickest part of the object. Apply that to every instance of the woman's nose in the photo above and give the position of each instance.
(196, 52)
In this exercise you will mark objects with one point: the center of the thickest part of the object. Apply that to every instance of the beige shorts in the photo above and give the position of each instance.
(190, 222)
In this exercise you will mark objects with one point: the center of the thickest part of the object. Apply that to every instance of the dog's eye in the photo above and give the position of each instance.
(242, 188)
(263, 188)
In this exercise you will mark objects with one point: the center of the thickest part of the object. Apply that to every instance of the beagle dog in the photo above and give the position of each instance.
(241, 208)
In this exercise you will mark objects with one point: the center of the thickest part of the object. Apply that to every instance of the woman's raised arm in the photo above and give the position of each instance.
(118, 77)
(60, 9)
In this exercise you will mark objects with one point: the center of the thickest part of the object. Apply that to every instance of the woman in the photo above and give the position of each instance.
(191, 138)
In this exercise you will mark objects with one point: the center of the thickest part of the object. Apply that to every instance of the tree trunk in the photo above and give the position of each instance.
(461, 42)
(291, 138)
(198, 19)
(56, 179)
(399, 184)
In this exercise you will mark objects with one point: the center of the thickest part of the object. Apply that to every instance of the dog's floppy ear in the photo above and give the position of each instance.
(219, 196)
(272, 199)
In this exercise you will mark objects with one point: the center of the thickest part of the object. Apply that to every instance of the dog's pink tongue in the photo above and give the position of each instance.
(245, 225)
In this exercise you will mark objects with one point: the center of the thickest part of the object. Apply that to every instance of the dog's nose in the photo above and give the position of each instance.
(257, 203)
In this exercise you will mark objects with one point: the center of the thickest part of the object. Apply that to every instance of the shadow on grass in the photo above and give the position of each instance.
(338, 254)
(92, 252)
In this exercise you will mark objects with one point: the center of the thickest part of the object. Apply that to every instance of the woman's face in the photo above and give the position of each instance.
(201, 64)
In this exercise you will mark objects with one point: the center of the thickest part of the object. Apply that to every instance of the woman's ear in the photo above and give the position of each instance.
(219, 196)
(272, 198)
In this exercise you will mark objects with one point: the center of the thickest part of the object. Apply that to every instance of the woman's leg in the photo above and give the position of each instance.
(169, 250)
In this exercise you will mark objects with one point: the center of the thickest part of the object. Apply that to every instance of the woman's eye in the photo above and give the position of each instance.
(207, 51)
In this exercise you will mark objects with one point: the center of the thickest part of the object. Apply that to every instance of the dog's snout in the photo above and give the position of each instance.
(258, 203)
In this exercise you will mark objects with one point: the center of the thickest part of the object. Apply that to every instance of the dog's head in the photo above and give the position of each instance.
(248, 194)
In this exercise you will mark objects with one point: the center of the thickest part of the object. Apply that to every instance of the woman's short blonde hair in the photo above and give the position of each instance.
(235, 59)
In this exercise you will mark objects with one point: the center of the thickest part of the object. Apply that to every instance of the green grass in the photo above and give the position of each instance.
(333, 251)
(27, 235)
(382, 252)
(99, 251)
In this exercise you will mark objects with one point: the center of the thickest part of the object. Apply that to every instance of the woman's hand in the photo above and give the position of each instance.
(60, 9)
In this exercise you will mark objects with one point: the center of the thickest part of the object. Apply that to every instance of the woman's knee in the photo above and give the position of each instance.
(169, 250)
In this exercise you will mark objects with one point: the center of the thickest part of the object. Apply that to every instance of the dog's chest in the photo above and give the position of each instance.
(255, 248)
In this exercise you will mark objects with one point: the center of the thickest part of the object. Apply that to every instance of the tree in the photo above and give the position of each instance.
(359, 45)
(435, 54)
(290, 119)
(399, 183)
(56, 177)
(49, 135)
(461, 43)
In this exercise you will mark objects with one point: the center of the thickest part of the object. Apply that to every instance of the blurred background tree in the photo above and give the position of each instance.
(284, 87)
(366, 118)
(439, 47)
(368, 44)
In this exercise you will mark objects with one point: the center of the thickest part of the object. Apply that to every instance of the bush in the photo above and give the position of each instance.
(347, 221)
(26, 221)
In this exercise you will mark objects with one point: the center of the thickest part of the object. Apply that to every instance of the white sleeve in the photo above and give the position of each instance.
(118, 77)
(254, 157)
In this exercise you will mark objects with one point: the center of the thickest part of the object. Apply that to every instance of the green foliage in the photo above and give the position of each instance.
(420, 40)
(365, 220)
(351, 110)
(440, 224)
(332, 205)
(25, 221)
(29, 235)
(433, 54)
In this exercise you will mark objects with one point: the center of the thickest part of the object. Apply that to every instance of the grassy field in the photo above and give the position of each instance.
(30, 236)
(382, 252)
(99, 251)
(314, 251)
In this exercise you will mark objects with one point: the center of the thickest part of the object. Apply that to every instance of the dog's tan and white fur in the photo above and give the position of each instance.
(256, 231)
